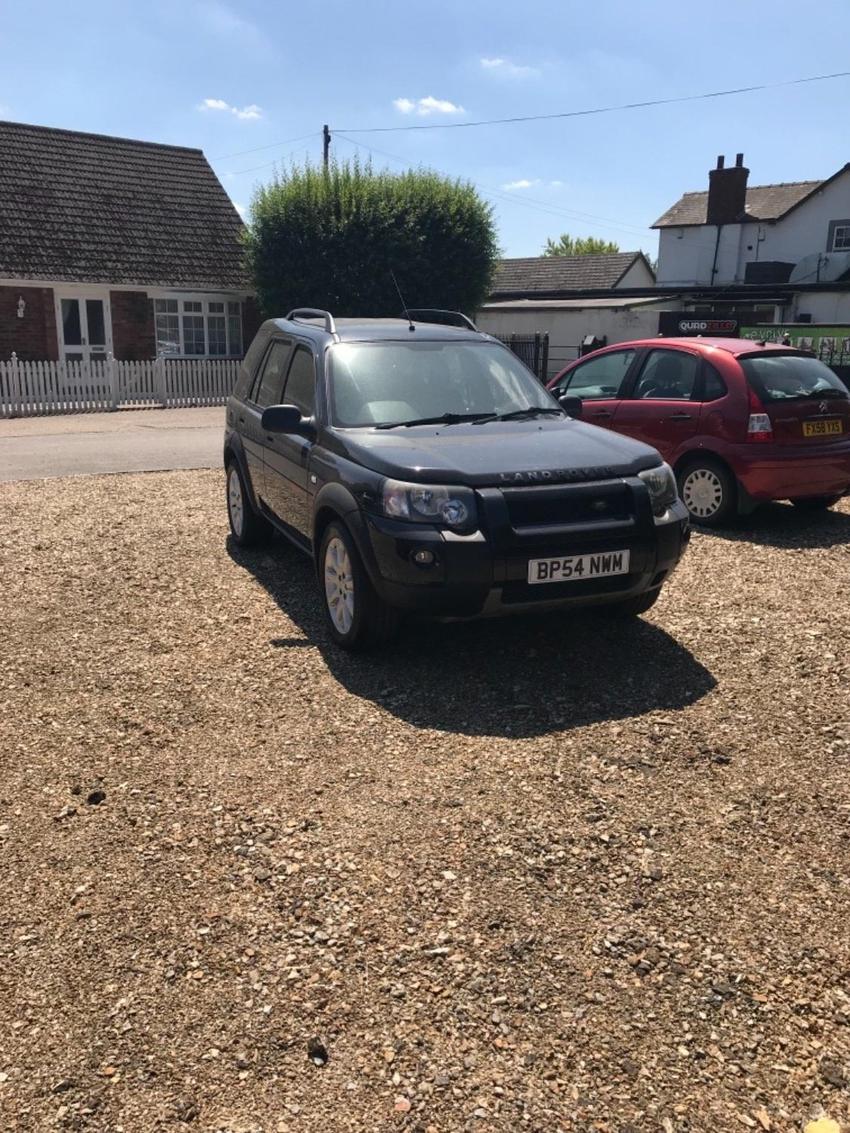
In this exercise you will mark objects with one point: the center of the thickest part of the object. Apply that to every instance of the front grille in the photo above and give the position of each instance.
(562, 505)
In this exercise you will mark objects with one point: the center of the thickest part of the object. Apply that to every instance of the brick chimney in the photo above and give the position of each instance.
(727, 192)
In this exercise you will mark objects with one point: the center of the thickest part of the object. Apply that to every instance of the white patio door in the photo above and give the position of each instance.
(85, 326)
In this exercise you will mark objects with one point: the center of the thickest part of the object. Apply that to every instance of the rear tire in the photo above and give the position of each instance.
(709, 492)
(633, 607)
(356, 617)
(815, 503)
(247, 528)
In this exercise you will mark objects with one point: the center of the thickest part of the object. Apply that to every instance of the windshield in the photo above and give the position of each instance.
(779, 377)
(388, 383)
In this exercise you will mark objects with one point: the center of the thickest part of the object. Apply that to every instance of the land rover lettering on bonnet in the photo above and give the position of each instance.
(427, 472)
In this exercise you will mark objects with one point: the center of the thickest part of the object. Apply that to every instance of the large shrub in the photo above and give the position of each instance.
(332, 238)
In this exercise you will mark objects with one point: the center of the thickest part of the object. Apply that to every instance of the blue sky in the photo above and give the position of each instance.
(235, 75)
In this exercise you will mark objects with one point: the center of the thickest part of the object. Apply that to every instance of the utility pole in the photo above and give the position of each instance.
(326, 144)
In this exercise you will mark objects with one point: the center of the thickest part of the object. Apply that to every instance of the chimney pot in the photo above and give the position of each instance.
(721, 161)
(739, 160)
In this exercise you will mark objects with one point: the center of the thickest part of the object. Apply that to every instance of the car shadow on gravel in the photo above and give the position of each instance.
(526, 675)
(783, 525)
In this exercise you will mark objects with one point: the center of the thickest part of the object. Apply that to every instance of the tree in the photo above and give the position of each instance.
(334, 238)
(567, 245)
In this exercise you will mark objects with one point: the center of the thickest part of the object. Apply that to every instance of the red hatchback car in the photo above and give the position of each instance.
(740, 422)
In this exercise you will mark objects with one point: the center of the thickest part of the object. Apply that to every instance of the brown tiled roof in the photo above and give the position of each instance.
(764, 202)
(96, 209)
(562, 273)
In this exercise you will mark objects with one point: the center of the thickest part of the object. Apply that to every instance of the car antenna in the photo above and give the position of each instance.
(404, 310)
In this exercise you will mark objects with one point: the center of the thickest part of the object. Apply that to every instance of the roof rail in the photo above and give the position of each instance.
(300, 314)
(449, 318)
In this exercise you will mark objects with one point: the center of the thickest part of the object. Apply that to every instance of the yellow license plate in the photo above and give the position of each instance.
(823, 428)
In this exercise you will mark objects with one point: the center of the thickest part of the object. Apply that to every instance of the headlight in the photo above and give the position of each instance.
(427, 503)
(661, 484)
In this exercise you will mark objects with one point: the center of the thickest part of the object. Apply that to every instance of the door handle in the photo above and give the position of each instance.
(602, 413)
(680, 417)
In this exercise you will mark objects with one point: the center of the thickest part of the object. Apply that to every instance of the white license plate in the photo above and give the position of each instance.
(573, 567)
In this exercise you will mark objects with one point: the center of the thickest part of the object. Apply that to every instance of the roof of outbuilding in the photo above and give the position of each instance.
(764, 202)
(95, 209)
(562, 273)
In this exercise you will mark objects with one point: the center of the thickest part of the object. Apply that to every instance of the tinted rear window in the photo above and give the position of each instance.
(782, 377)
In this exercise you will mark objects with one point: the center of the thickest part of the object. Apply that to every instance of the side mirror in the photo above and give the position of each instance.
(571, 405)
(288, 419)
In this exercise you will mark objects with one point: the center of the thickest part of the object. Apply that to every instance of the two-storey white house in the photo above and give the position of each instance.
(795, 234)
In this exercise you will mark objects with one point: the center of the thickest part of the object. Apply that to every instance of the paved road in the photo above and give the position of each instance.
(133, 440)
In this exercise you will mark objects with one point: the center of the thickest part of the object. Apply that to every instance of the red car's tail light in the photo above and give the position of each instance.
(759, 426)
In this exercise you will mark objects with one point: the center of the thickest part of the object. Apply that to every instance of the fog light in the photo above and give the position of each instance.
(423, 558)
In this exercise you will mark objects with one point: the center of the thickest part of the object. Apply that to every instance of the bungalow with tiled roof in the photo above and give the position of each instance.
(561, 277)
(109, 245)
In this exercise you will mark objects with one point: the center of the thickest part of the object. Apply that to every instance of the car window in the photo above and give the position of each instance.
(249, 365)
(374, 383)
(778, 377)
(600, 377)
(300, 386)
(667, 374)
(713, 385)
(271, 381)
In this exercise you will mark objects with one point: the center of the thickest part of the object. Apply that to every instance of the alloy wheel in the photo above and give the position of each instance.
(339, 585)
(702, 493)
(235, 503)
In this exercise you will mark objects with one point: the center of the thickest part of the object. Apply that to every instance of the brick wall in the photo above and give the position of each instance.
(33, 338)
(133, 333)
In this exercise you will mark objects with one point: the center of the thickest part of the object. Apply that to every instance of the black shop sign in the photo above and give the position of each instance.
(677, 324)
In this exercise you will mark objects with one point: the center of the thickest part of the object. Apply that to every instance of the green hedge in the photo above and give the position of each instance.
(331, 239)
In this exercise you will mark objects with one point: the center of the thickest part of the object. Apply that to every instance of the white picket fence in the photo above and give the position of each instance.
(28, 389)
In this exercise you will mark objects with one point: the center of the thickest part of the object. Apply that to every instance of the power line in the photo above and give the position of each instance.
(265, 164)
(527, 202)
(545, 207)
(596, 110)
(271, 145)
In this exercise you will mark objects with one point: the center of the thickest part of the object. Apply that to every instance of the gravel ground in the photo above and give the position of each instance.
(533, 874)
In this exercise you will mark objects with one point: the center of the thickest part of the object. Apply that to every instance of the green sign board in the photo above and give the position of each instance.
(829, 343)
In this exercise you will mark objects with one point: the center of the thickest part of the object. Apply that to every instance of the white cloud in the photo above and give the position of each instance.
(246, 113)
(531, 183)
(427, 105)
(509, 70)
(524, 183)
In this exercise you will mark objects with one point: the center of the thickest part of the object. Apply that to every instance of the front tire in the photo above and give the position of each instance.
(816, 503)
(356, 617)
(247, 528)
(709, 492)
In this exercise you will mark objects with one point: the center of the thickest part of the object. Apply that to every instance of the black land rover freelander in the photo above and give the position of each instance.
(426, 470)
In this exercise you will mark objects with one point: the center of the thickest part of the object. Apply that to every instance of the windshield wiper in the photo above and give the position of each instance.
(443, 419)
(829, 392)
(532, 411)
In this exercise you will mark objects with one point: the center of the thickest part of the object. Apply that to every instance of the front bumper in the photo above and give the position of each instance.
(486, 572)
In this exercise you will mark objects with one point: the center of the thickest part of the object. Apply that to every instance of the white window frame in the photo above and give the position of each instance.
(204, 299)
(844, 229)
